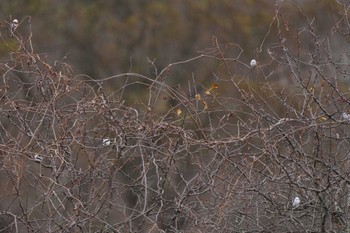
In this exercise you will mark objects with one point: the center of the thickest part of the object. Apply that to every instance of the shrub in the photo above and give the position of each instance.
(228, 156)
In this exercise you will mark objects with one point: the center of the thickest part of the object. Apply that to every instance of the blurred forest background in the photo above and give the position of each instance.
(105, 37)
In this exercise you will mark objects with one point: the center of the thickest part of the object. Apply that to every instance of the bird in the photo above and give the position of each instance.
(14, 26)
(296, 202)
(253, 63)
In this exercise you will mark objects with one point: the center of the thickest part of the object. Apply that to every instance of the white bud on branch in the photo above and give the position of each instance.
(106, 142)
(346, 116)
(14, 26)
(38, 158)
(296, 202)
(253, 63)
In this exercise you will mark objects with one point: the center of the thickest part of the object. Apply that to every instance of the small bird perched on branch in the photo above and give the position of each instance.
(14, 26)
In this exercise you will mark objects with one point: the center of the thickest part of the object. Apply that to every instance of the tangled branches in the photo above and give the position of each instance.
(77, 156)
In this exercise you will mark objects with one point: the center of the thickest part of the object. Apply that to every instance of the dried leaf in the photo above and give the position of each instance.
(214, 86)
(198, 97)
(322, 119)
(178, 112)
(205, 105)
(311, 90)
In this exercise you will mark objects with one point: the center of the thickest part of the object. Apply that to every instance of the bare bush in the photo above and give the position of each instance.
(227, 157)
